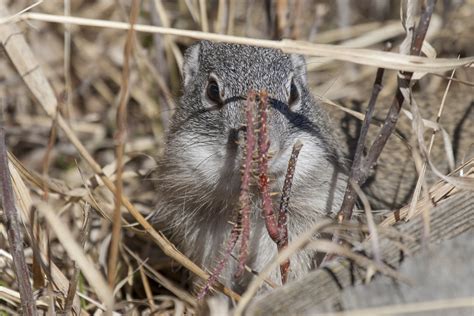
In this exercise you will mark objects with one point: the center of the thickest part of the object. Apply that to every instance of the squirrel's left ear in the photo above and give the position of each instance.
(191, 62)
(299, 67)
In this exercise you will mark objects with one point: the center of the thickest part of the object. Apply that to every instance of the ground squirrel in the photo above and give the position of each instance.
(199, 175)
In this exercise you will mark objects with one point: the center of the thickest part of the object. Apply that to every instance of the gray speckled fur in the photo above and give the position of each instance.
(199, 176)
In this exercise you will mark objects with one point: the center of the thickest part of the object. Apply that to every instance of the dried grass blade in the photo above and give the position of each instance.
(355, 55)
(24, 201)
(74, 250)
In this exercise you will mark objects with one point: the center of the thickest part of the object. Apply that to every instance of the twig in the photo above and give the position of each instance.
(203, 16)
(162, 280)
(16, 15)
(244, 198)
(15, 239)
(241, 226)
(277, 228)
(36, 240)
(283, 211)
(397, 102)
(365, 165)
(374, 235)
(263, 182)
(67, 63)
(120, 139)
(355, 175)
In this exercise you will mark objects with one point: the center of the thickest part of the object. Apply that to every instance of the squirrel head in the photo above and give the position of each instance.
(207, 124)
(223, 72)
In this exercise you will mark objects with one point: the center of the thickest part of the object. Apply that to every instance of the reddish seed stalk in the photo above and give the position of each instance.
(278, 230)
(244, 199)
(284, 202)
(242, 224)
(263, 182)
(234, 236)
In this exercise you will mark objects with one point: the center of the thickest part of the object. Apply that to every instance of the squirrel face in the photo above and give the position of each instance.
(208, 122)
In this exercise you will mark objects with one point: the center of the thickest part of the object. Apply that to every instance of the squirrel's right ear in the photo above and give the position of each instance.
(191, 62)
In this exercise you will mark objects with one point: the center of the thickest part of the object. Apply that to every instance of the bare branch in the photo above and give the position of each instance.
(282, 213)
(15, 239)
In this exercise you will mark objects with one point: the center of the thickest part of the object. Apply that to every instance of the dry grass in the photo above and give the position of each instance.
(74, 157)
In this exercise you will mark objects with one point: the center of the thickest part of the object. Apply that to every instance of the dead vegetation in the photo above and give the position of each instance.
(86, 101)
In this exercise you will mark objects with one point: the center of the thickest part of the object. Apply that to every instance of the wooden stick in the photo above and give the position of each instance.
(283, 211)
(263, 181)
(361, 167)
(15, 239)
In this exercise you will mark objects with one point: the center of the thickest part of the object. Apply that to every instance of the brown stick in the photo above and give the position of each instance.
(262, 149)
(369, 161)
(355, 175)
(284, 202)
(15, 239)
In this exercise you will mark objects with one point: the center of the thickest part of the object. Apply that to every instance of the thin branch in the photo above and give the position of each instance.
(361, 173)
(47, 155)
(147, 288)
(15, 239)
(397, 102)
(283, 211)
(263, 181)
(247, 170)
(355, 175)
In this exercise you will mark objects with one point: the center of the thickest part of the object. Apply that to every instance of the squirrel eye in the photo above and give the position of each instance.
(294, 94)
(213, 92)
